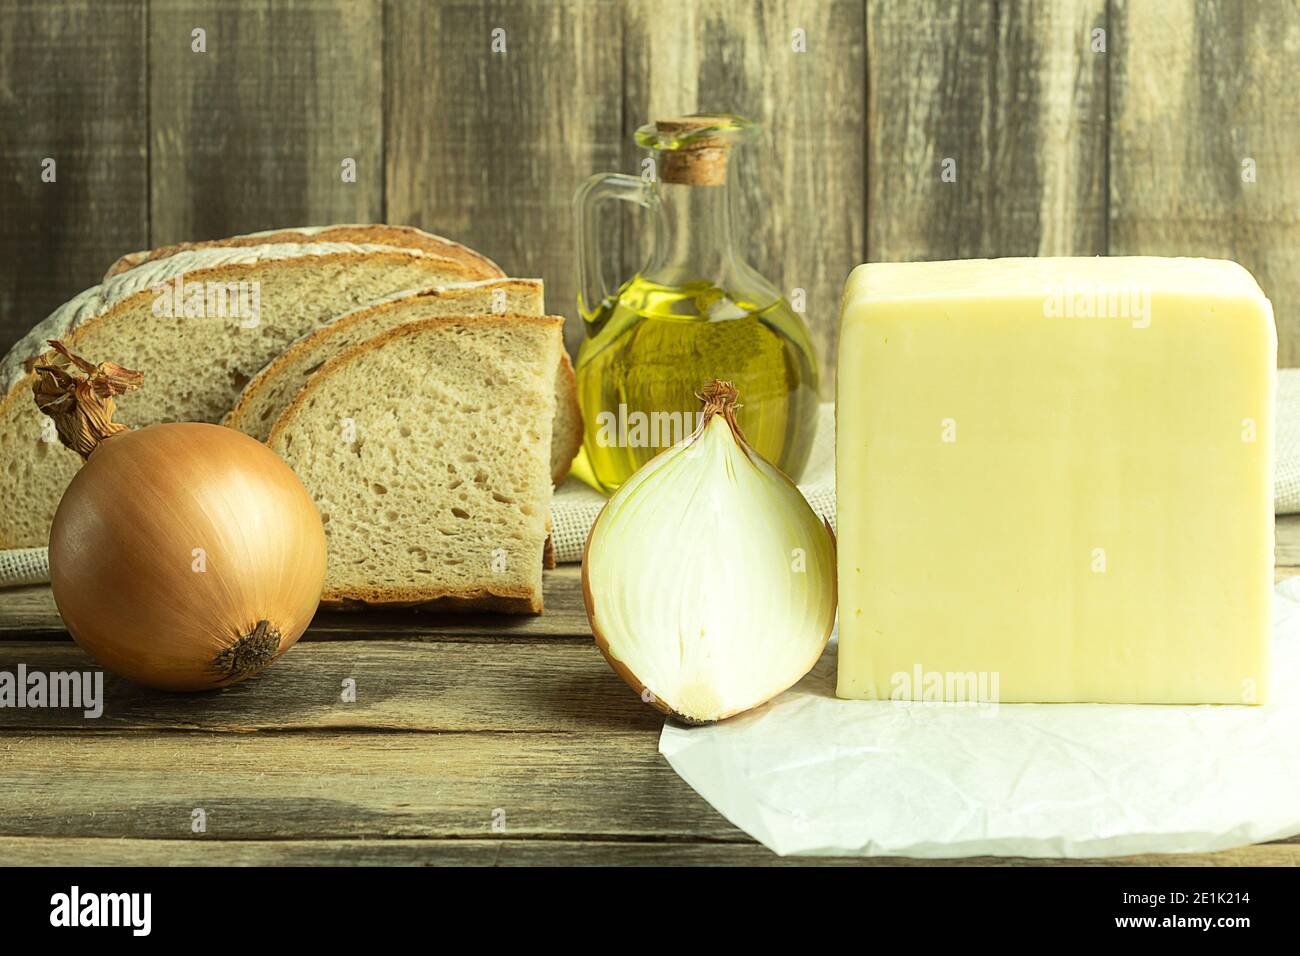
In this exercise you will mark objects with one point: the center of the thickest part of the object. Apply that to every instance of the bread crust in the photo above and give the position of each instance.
(408, 237)
(461, 602)
(572, 441)
(514, 600)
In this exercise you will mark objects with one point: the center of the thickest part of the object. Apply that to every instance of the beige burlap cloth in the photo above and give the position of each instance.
(24, 566)
(575, 506)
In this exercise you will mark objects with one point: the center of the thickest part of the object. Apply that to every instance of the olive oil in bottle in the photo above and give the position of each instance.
(695, 312)
(651, 350)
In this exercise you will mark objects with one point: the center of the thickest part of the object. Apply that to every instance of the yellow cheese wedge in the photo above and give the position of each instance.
(1055, 481)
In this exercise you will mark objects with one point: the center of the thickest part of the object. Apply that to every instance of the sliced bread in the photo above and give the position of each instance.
(236, 309)
(426, 451)
(477, 266)
(273, 388)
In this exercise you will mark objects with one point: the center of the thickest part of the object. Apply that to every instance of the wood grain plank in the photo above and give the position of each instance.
(252, 134)
(398, 686)
(1014, 96)
(72, 89)
(296, 786)
(392, 786)
(1197, 90)
(440, 684)
(803, 185)
(489, 147)
(507, 851)
(28, 613)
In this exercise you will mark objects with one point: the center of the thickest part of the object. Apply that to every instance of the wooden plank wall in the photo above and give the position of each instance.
(1205, 140)
(1012, 98)
(489, 147)
(804, 183)
(253, 133)
(72, 92)
(1181, 136)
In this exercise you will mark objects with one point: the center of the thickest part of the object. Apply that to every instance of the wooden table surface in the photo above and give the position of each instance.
(471, 741)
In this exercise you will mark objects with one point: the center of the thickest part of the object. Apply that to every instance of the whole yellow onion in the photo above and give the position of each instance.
(182, 556)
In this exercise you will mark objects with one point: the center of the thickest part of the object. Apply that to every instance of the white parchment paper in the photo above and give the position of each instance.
(811, 774)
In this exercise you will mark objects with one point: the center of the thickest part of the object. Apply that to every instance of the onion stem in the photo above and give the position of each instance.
(81, 407)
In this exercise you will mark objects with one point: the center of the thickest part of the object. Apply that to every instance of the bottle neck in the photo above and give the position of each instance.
(693, 234)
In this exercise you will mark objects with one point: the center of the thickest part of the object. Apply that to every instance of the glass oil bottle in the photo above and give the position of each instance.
(694, 312)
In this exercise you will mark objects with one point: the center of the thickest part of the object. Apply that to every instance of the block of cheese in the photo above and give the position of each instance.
(1054, 481)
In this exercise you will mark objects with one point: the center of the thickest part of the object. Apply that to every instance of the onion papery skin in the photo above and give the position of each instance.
(689, 579)
(147, 509)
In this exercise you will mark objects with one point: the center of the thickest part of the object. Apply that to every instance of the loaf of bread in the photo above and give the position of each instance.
(425, 449)
(273, 388)
(477, 266)
(200, 324)
(568, 423)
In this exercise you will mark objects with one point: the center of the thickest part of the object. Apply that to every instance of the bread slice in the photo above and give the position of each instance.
(194, 366)
(273, 388)
(477, 266)
(568, 423)
(426, 451)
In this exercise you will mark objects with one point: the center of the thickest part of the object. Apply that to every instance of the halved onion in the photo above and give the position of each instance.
(709, 580)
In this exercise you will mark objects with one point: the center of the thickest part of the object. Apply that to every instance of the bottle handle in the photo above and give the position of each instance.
(593, 290)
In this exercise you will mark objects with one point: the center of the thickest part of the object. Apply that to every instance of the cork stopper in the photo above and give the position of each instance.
(695, 149)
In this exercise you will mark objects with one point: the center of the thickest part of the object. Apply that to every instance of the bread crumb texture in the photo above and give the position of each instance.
(427, 451)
